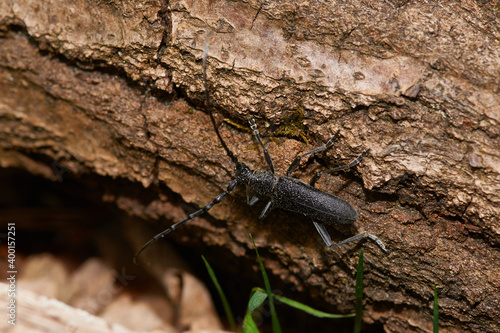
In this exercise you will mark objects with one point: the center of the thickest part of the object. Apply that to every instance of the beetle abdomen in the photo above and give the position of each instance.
(296, 196)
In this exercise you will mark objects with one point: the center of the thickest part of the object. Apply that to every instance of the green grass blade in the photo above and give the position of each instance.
(225, 304)
(306, 308)
(274, 316)
(359, 295)
(258, 297)
(249, 325)
(436, 311)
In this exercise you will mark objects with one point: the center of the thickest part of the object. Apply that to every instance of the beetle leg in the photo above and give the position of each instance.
(268, 158)
(323, 233)
(265, 210)
(296, 161)
(358, 159)
(253, 200)
(361, 236)
(328, 241)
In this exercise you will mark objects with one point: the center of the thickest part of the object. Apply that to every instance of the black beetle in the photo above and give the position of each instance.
(284, 192)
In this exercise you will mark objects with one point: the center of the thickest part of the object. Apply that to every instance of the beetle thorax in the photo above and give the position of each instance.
(262, 182)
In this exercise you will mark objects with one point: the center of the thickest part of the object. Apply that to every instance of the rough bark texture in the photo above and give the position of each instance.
(111, 88)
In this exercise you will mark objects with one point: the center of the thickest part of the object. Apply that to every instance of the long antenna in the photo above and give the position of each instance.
(230, 187)
(200, 211)
(208, 108)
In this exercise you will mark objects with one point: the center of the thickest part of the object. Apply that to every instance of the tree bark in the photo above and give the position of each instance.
(116, 89)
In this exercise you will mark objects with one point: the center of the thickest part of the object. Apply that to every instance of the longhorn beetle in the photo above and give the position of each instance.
(284, 192)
